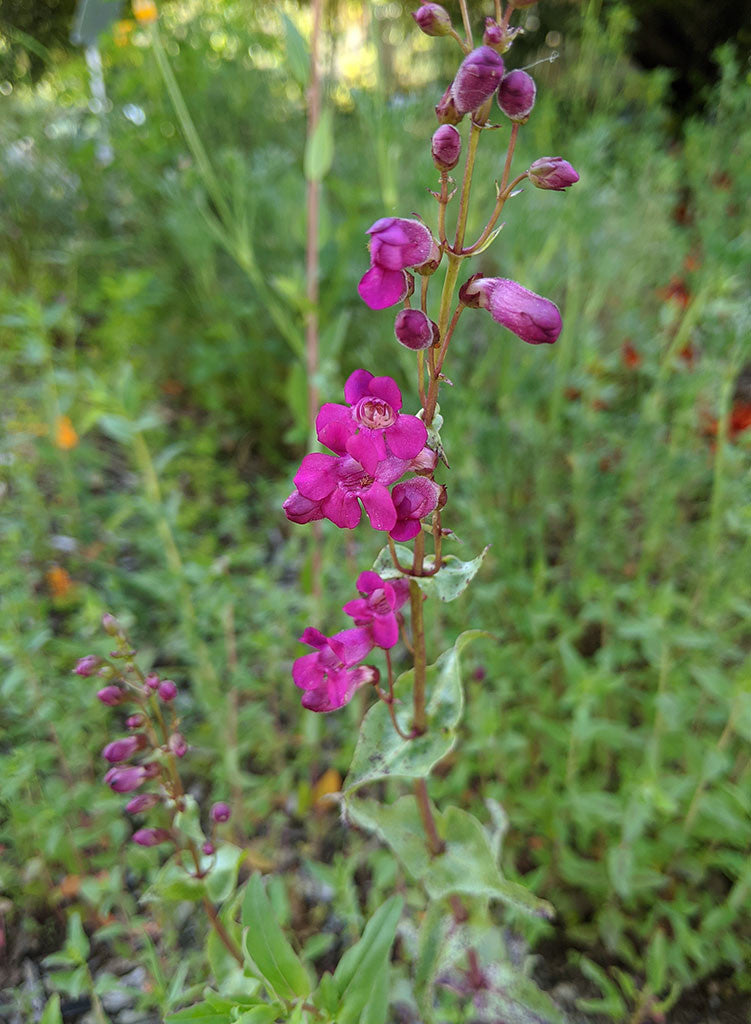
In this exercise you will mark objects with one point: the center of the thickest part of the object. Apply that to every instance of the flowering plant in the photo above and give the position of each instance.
(386, 461)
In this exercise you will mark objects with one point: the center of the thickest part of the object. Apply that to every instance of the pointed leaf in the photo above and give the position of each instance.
(467, 864)
(433, 931)
(319, 149)
(381, 753)
(222, 879)
(265, 943)
(358, 970)
(298, 58)
(451, 580)
(51, 1013)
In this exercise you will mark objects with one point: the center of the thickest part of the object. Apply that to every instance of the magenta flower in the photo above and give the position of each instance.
(478, 77)
(142, 802)
(413, 500)
(372, 421)
(299, 509)
(378, 606)
(531, 317)
(221, 812)
(125, 748)
(340, 483)
(330, 675)
(414, 329)
(395, 244)
(553, 173)
(88, 665)
(167, 689)
(111, 695)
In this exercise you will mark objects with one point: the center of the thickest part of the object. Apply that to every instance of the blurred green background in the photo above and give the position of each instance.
(154, 412)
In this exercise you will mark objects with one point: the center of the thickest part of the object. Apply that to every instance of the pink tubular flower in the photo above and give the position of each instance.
(553, 173)
(378, 606)
(395, 244)
(87, 666)
(339, 483)
(330, 675)
(478, 77)
(151, 836)
(372, 421)
(125, 780)
(125, 748)
(529, 316)
(413, 500)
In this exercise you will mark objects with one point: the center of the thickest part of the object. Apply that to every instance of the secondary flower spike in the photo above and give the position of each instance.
(331, 674)
(478, 77)
(373, 426)
(531, 317)
(377, 607)
(553, 173)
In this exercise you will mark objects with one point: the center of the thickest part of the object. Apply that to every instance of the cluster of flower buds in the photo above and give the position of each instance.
(374, 445)
(332, 673)
(146, 755)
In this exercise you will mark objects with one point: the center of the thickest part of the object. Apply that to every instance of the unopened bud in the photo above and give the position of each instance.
(167, 689)
(124, 780)
(151, 836)
(122, 749)
(87, 666)
(553, 173)
(432, 19)
(494, 34)
(177, 745)
(111, 696)
(478, 77)
(445, 147)
(208, 848)
(135, 721)
(415, 330)
(110, 625)
(446, 111)
(152, 769)
(516, 95)
(151, 681)
(220, 812)
(424, 462)
(142, 802)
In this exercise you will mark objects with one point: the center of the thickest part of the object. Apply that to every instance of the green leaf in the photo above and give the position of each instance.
(173, 884)
(381, 753)
(358, 970)
(319, 149)
(358, 973)
(298, 58)
(203, 1013)
(77, 941)
(433, 931)
(451, 580)
(221, 880)
(266, 945)
(261, 1015)
(489, 240)
(656, 963)
(326, 996)
(376, 1010)
(51, 1013)
(467, 864)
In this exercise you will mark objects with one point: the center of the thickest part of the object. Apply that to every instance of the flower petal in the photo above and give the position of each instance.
(316, 478)
(379, 288)
(368, 581)
(368, 448)
(334, 425)
(357, 386)
(387, 389)
(406, 437)
(385, 631)
(351, 645)
(379, 506)
(342, 509)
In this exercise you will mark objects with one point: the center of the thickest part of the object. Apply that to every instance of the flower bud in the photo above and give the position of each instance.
(424, 462)
(552, 172)
(167, 689)
(124, 780)
(177, 745)
(415, 330)
(529, 316)
(142, 802)
(135, 721)
(152, 769)
(220, 812)
(478, 77)
(151, 836)
(432, 19)
(493, 34)
(516, 95)
(413, 500)
(87, 666)
(110, 625)
(152, 681)
(208, 848)
(111, 695)
(445, 109)
(122, 749)
(445, 147)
